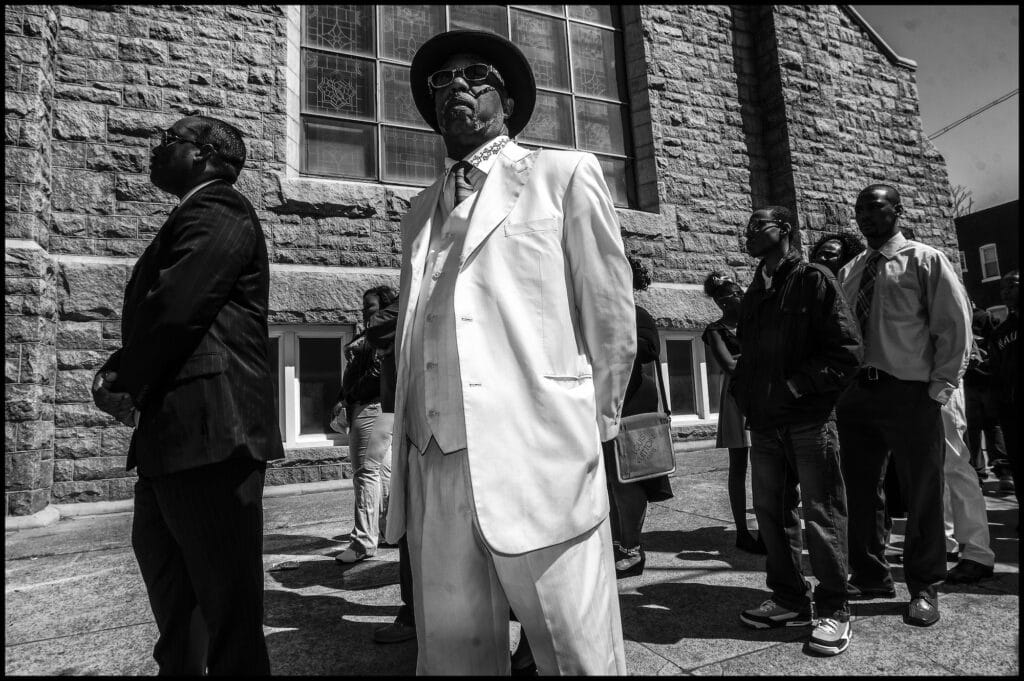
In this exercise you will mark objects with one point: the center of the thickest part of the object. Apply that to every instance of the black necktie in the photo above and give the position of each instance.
(463, 188)
(866, 291)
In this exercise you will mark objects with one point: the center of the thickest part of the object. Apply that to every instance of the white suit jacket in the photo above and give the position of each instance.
(546, 334)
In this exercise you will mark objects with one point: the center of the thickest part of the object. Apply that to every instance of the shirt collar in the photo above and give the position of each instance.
(891, 247)
(483, 165)
(195, 189)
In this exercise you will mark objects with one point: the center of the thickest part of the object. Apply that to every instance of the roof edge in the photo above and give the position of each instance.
(876, 38)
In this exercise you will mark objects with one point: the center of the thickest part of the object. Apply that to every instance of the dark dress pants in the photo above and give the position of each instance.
(406, 614)
(895, 423)
(198, 538)
(780, 458)
(1009, 416)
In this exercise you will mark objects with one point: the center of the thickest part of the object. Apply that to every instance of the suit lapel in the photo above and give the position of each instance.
(416, 225)
(497, 197)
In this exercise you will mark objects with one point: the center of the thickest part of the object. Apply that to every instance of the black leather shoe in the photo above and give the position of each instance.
(746, 542)
(952, 556)
(866, 593)
(633, 570)
(968, 572)
(922, 613)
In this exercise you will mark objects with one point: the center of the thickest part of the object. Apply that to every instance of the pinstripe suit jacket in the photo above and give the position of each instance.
(194, 353)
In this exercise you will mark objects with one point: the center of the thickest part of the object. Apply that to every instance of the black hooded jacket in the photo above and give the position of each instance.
(802, 330)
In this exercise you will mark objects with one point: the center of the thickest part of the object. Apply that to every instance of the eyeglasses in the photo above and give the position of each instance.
(169, 137)
(761, 224)
(473, 73)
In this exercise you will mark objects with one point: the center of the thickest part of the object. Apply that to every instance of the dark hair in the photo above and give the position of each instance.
(385, 294)
(849, 244)
(641, 276)
(226, 139)
(783, 214)
(717, 282)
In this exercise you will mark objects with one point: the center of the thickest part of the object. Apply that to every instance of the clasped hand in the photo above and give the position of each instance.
(117, 404)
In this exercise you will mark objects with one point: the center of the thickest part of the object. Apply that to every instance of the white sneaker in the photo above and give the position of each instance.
(831, 635)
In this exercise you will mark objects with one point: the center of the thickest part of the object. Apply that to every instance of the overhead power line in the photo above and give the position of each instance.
(974, 113)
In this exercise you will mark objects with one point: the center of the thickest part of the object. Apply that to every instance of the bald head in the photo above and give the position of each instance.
(877, 211)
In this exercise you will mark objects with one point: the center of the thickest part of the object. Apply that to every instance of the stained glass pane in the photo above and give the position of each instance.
(680, 376)
(339, 148)
(551, 122)
(346, 28)
(550, 9)
(412, 157)
(601, 126)
(618, 175)
(396, 98)
(403, 28)
(596, 62)
(542, 40)
(493, 18)
(337, 85)
(597, 14)
(319, 373)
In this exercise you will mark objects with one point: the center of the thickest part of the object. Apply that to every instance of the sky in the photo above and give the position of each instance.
(967, 56)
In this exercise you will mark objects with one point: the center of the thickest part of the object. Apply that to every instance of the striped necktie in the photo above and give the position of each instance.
(463, 189)
(866, 291)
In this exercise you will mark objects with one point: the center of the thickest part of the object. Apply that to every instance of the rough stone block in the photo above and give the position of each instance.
(27, 502)
(81, 359)
(74, 386)
(22, 165)
(22, 402)
(82, 191)
(35, 435)
(76, 443)
(78, 492)
(10, 437)
(85, 415)
(122, 488)
(24, 329)
(100, 468)
(133, 159)
(79, 121)
(79, 335)
(63, 470)
(38, 364)
(12, 370)
(137, 188)
(116, 440)
(142, 50)
(292, 475)
(22, 471)
(126, 126)
(90, 291)
(142, 98)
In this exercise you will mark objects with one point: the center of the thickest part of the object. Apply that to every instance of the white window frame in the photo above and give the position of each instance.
(288, 361)
(994, 251)
(699, 366)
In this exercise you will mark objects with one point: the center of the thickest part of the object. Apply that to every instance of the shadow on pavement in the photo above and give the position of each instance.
(325, 636)
(298, 544)
(667, 613)
(368, 574)
(716, 543)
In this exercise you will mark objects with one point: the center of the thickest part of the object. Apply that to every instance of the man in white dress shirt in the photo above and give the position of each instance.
(515, 341)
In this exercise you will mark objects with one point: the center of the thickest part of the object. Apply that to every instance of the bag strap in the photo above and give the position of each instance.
(661, 387)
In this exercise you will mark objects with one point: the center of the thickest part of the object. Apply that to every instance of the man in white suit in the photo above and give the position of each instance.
(515, 337)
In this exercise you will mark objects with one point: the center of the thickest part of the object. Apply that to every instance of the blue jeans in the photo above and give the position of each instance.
(780, 458)
(369, 447)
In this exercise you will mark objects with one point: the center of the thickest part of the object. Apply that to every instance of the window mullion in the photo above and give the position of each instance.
(291, 387)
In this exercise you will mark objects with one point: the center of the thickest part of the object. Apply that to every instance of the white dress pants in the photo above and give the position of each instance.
(964, 510)
(565, 596)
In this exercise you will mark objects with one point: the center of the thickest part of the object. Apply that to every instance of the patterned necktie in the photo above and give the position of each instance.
(866, 290)
(463, 188)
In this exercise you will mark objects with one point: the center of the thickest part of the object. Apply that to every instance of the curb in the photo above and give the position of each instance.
(55, 512)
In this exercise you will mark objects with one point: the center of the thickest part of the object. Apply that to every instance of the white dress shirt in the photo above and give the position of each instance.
(919, 325)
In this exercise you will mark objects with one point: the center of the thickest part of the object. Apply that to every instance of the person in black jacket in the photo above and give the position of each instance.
(193, 377)
(370, 429)
(799, 348)
(628, 500)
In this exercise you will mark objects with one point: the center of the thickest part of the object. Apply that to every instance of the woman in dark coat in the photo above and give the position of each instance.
(628, 501)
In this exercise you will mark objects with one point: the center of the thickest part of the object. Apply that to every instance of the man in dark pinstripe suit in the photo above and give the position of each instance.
(193, 378)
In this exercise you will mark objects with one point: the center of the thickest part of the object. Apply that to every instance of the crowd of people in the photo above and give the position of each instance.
(484, 400)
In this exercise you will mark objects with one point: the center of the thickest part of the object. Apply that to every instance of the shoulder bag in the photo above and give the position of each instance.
(643, 447)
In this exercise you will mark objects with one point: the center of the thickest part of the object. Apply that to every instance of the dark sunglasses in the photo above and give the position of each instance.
(762, 224)
(473, 73)
(169, 137)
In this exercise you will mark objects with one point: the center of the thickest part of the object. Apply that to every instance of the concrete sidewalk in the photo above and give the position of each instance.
(75, 602)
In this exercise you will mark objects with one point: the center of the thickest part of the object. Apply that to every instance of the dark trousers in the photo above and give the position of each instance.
(406, 614)
(780, 458)
(893, 422)
(627, 507)
(982, 412)
(198, 538)
(1009, 415)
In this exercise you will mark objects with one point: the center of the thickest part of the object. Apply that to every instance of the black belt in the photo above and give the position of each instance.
(873, 374)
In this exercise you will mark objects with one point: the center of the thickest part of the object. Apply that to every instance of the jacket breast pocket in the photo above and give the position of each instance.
(205, 364)
(531, 227)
